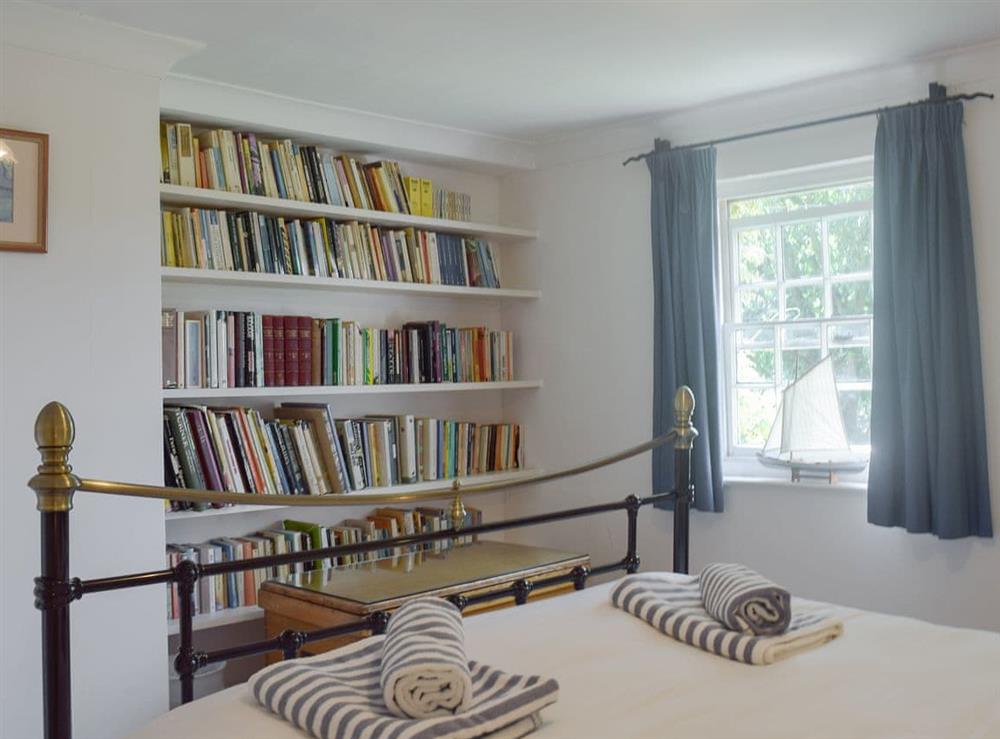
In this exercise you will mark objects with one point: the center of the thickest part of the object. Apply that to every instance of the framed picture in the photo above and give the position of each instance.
(24, 187)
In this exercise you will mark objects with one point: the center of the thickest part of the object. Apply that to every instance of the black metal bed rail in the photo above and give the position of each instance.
(188, 660)
(174, 575)
(54, 485)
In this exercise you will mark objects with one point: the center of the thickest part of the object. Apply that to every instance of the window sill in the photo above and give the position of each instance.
(811, 486)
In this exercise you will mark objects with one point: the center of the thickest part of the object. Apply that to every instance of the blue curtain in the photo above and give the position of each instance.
(928, 465)
(685, 330)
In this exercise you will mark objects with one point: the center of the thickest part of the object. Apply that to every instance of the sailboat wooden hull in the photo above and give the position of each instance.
(826, 469)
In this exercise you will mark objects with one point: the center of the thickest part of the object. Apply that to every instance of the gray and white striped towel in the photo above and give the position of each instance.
(337, 695)
(672, 604)
(744, 600)
(425, 671)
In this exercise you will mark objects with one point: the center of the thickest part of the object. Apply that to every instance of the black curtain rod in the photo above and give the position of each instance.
(936, 97)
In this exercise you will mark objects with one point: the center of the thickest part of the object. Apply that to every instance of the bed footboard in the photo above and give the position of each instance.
(55, 484)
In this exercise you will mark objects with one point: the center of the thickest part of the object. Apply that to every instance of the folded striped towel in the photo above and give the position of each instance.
(672, 604)
(745, 601)
(425, 671)
(337, 695)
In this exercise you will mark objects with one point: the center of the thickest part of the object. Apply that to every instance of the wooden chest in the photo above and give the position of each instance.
(339, 595)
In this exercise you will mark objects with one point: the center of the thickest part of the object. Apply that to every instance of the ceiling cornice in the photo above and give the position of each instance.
(69, 35)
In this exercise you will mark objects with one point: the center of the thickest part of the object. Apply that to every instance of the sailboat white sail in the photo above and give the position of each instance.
(808, 431)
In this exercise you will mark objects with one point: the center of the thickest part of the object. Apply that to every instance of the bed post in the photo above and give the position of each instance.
(54, 485)
(683, 489)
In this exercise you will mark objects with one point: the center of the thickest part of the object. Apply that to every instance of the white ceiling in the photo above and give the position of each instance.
(527, 70)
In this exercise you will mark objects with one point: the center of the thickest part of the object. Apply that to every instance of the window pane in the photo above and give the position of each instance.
(852, 298)
(755, 411)
(795, 362)
(755, 365)
(856, 406)
(788, 202)
(756, 255)
(850, 241)
(848, 334)
(803, 301)
(800, 336)
(852, 363)
(759, 304)
(755, 337)
(802, 249)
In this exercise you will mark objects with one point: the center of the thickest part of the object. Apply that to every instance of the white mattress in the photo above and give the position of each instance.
(886, 678)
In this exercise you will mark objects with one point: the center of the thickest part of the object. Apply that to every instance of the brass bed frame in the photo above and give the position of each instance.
(55, 483)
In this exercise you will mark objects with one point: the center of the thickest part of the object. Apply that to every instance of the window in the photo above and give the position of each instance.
(798, 286)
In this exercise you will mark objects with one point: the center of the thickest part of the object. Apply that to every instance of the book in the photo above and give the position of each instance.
(322, 247)
(222, 349)
(304, 450)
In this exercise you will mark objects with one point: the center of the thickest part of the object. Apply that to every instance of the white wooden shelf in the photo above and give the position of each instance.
(225, 617)
(432, 486)
(203, 197)
(258, 279)
(322, 391)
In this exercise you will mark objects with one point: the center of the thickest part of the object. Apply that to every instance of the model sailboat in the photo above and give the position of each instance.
(808, 433)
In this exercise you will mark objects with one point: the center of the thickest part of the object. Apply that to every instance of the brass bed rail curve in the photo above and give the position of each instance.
(55, 484)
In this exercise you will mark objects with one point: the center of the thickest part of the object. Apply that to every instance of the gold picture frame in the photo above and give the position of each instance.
(24, 188)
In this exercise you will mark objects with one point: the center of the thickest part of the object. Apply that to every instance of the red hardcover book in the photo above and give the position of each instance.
(278, 333)
(267, 323)
(316, 373)
(291, 350)
(203, 447)
(305, 350)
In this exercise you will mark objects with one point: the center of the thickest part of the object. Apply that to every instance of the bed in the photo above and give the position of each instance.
(885, 677)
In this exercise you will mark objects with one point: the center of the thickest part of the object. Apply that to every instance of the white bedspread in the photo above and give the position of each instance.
(885, 678)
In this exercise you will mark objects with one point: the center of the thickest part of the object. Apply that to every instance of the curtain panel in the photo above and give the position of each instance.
(928, 432)
(685, 330)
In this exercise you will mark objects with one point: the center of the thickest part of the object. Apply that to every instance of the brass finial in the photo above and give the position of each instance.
(458, 512)
(54, 483)
(683, 413)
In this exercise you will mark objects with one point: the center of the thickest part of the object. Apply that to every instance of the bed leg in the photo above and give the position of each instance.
(54, 485)
(683, 489)
(632, 553)
(186, 662)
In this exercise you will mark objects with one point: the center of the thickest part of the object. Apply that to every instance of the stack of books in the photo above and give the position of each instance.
(233, 349)
(454, 206)
(306, 450)
(242, 162)
(237, 589)
(246, 241)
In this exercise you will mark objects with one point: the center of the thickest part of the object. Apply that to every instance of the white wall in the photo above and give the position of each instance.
(80, 324)
(590, 338)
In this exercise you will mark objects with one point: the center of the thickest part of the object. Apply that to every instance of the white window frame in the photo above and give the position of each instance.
(741, 462)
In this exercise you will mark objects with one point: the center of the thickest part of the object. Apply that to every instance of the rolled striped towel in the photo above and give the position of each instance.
(744, 600)
(337, 695)
(672, 603)
(425, 671)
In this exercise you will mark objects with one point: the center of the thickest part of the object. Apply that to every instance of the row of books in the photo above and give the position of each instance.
(232, 349)
(247, 241)
(242, 162)
(306, 450)
(455, 206)
(237, 589)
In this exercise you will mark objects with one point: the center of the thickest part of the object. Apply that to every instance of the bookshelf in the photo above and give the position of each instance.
(206, 277)
(416, 488)
(371, 303)
(333, 391)
(226, 617)
(204, 198)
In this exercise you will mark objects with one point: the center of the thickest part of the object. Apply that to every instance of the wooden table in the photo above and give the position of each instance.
(335, 596)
